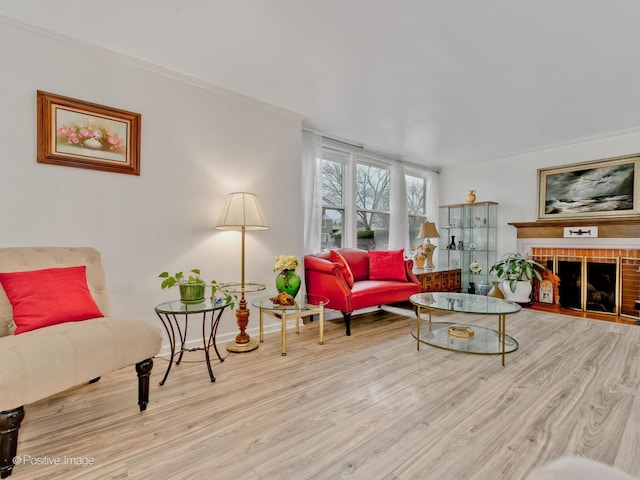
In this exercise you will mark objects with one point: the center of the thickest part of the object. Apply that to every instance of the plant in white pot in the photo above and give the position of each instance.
(516, 273)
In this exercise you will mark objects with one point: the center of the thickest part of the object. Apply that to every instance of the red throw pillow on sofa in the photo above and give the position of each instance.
(387, 265)
(46, 297)
(337, 257)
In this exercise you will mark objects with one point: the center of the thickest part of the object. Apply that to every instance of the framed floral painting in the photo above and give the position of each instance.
(81, 134)
(600, 188)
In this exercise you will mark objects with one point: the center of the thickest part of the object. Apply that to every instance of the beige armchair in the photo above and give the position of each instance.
(42, 362)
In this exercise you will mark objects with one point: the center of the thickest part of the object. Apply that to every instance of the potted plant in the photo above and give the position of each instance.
(516, 272)
(192, 288)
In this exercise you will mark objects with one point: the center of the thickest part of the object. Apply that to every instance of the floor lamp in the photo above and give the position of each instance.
(242, 212)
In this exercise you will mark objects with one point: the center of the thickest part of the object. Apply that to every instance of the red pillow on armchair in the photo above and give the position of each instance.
(387, 265)
(47, 297)
(337, 257)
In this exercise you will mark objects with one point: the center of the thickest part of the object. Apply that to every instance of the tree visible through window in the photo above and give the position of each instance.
(356, 200)
(416, 206)
(372, 206)
(332, 200)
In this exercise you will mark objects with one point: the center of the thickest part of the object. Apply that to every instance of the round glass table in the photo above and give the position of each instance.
(308, 305)
(463, 337)
(170, 313)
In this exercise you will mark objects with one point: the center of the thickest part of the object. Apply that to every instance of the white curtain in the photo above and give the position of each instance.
(399, 219)
(312, 191)
(432, 199)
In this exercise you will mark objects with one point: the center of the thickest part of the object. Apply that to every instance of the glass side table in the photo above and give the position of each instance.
(170, 314)
(307, 306)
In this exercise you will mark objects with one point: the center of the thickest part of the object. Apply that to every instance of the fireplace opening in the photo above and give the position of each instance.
(601, 287)
(586, 284)
(570, 288)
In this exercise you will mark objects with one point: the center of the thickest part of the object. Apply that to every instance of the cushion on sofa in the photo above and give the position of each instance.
(49, 360)
(337, 257)
(41, 298)
(387, 265)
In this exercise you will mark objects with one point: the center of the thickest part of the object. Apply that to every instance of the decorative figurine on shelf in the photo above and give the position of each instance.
(452, 245)
(471, 196)
(475, 267)
(460, 245)
(483, 287)
(472, 288)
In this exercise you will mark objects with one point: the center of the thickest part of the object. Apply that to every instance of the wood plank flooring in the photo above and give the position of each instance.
(369, 406)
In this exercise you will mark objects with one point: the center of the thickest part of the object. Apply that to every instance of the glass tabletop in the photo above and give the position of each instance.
(238, 287)
(207, 305)
(305, 301)
(464, 303)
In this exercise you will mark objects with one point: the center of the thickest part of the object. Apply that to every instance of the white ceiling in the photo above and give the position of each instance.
(438, 82)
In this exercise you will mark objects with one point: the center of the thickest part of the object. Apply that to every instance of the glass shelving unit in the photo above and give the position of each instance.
(468, 238)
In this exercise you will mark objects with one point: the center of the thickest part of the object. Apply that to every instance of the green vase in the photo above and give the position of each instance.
(288, 281)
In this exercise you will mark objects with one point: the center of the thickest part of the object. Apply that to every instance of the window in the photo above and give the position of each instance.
(356, 199)
(416, 206)
(372, 206)
(333, 182)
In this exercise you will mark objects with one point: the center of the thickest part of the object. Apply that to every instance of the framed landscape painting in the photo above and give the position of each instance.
(601, 188)
(81, 134)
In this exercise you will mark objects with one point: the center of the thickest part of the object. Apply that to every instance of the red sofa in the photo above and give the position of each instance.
(331, 279)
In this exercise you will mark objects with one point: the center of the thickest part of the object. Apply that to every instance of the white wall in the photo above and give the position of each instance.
(512, 181)
(198, 144)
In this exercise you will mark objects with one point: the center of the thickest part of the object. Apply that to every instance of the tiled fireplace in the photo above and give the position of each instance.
(598, 274)
(604, 280)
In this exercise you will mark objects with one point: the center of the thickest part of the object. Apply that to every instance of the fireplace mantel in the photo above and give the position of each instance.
(628, 227)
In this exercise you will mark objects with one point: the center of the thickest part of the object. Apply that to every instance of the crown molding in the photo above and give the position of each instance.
(136, 62)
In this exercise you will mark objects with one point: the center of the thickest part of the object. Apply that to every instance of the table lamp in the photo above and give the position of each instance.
(428, 230)
(242, 212)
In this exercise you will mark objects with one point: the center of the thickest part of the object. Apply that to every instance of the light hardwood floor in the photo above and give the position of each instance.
(367, 406)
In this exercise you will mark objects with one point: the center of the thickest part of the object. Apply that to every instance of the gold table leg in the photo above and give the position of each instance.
(502, 327)
(284, 332)
(418, 330)
(261, 328)
(321, 321)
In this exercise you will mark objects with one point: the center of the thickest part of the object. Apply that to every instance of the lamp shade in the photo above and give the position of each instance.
(242, 210)
(428, 230)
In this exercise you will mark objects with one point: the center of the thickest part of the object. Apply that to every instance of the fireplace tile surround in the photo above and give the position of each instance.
(618, 242)
(628, 274)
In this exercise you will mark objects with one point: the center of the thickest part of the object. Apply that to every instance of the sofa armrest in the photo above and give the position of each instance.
(325, 278)
(408, 265)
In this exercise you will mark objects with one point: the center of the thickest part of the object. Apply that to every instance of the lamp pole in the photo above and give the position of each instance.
(242, 212)
(243, 341)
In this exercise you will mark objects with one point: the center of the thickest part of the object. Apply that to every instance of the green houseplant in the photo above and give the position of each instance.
(192, 288)
(516, 272)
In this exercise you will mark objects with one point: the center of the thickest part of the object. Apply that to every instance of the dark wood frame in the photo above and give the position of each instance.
(566, 173)
(50, 148)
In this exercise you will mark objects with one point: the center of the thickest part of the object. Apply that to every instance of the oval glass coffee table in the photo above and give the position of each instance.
(462, 337)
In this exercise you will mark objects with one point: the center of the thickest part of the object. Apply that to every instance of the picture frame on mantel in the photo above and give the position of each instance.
(596, 189)
(76, 133)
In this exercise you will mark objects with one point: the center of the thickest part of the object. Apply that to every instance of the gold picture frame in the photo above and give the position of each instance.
(80, 134)
(599, 188)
